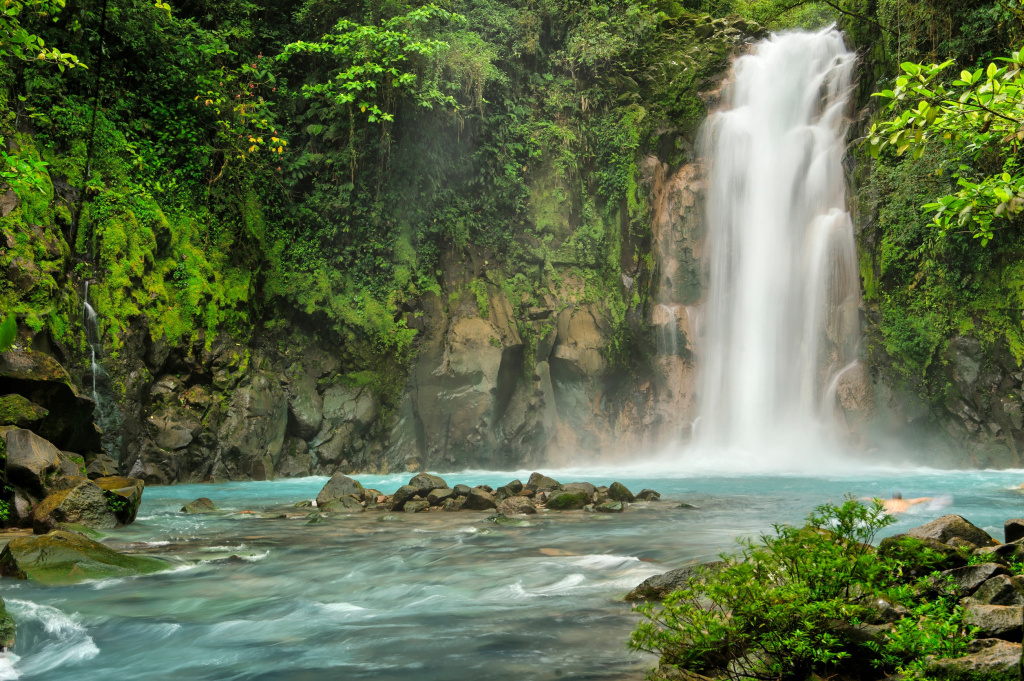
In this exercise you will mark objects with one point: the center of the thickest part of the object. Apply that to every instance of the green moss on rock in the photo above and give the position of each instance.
(62, 557)
(19, 411)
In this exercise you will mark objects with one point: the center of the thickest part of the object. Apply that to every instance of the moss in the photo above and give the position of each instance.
(62, 557)
(568, 501)
(18, 411)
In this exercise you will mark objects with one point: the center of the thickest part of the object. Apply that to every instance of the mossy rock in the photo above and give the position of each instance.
(123, 495)
(18, 411)
(6, 628)
(921, 556)
(568, 501)
(62, 557)
(200, 505)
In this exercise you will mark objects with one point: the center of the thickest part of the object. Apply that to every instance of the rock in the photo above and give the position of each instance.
(884, 611)
(345, 504)
(648, 495)
(611, 507)
(461, 490)
(948, 526)
(6, 628)
(510, 490)
(437, 496)
(910, 550)
(686, 506)
(516, 506)
(1000, 590)
(123, 496)
(995, 621)
(540, 482)
(619, 492)
(251, 436)
(967, 579)
(1013, 530)
(100, 466)
(987, 659)
(338, 486)
(31, 460)
(305, 408)
(416, 506)
(402, 495)
(171, 429)
(84, 504)
(479, 500)
(66, 557)
(1002, 553)
(453, 504)
(567, 501)
(20, 412)
(425, 482)
(657, 587)
(200, 505)
(579, 487)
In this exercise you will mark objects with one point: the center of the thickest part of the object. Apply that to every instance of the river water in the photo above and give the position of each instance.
(426, 596)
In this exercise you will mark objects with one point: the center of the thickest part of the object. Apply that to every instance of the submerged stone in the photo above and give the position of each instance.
(62, 557)
(200, 505)
(648, 495)
(611, 507)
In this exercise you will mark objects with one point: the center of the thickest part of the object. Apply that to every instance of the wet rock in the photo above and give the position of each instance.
(967, 579)
(611, 507)
(540, 482)
(516, 506)
(438, 496)
(479, 500)
(200, 505)
(580, 487)
(461, 490)
(345, 504)
(1013, 530)
(83, 504)
(648, 495)
(416, 506)
(987, 659)
(686, 506)
(453, 504)
(296, 460)
(995, 621)
(20, 412)
(123, 496)
(338, 486)
(32, 462)
(251, 436)
(66, 557)
(619, 492)
(510, 490)
(7, 628)
(657, 587)
(1000, 590)
(567, 501)
(402, 495)
(948, 526)
(425, 482)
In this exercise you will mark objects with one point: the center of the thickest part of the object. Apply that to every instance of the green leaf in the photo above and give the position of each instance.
(8, 332)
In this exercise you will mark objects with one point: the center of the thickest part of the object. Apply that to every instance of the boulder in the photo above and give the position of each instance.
(1000, 590)
(84, 504)
(516, 506)
(995, 621)
(579, 487)
(567, 501)
(338, 486)
(910, 550)
(345, 504)
(1013, 530)
(251, 436)
(611, 507)
(31, 460)
(987, 659)
(461, 490)
(66, 557)
(200, 505)
(402, 495)
(619, 492)
(967, 579)
(20, 412)
(948, 526)
(417, 506)
(648, 495)
(510, 490)
(453, 504)
(123, 496)
(100, 465)
(542, 482)
(425, 482)
(1001, 553)
(479, 500)
(437, 496)
(657, 587)
(305, 408)
(6, 628)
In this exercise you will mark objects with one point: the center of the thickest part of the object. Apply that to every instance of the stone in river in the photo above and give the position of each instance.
(417, 506)
(611, 507)
(542, 482)
(6, 628)
(516, 506)
(567, 501)
(453, 504)
(579, 487)
(619, 492)
(83, 504)
(948, 526)
(657, 587)
(461, 490)
(346, 504)
(66, 557)
(424, 482)
(648, 495)
(401, 496)
(338, 486)
(437, 496)
(125, 495)
(510, 490)
(200, 505)
(479, 500)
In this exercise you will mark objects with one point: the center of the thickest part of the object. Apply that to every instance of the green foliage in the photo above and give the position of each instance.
(773, 611)
(8, 332)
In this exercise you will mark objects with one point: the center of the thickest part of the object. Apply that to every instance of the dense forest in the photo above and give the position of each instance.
(249, 187)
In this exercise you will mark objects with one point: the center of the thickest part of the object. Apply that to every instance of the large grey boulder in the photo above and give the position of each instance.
(949, 526)
(542, 483)
(478, 500)
(987, 659)
(966, 580)
(425, 483)
(305, 407)
(657, 587)
(83, 504)
(402, 495)
(516, 506)
(33, 463)
(339, 486)
(251, 437)
(995, 621)
(619, 492)
(1000, 590)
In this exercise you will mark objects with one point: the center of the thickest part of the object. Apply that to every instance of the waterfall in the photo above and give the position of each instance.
(780, 321)
(106, 414)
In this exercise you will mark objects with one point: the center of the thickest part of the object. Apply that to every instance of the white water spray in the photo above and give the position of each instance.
(781, 314)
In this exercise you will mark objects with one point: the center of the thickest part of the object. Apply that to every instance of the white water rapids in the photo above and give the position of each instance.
(781, 314)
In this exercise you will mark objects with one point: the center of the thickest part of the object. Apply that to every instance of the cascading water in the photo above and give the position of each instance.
(781, 315)
(106, 415)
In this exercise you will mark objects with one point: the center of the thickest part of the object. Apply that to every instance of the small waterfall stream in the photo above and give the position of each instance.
(107, 416)
(781, 314)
